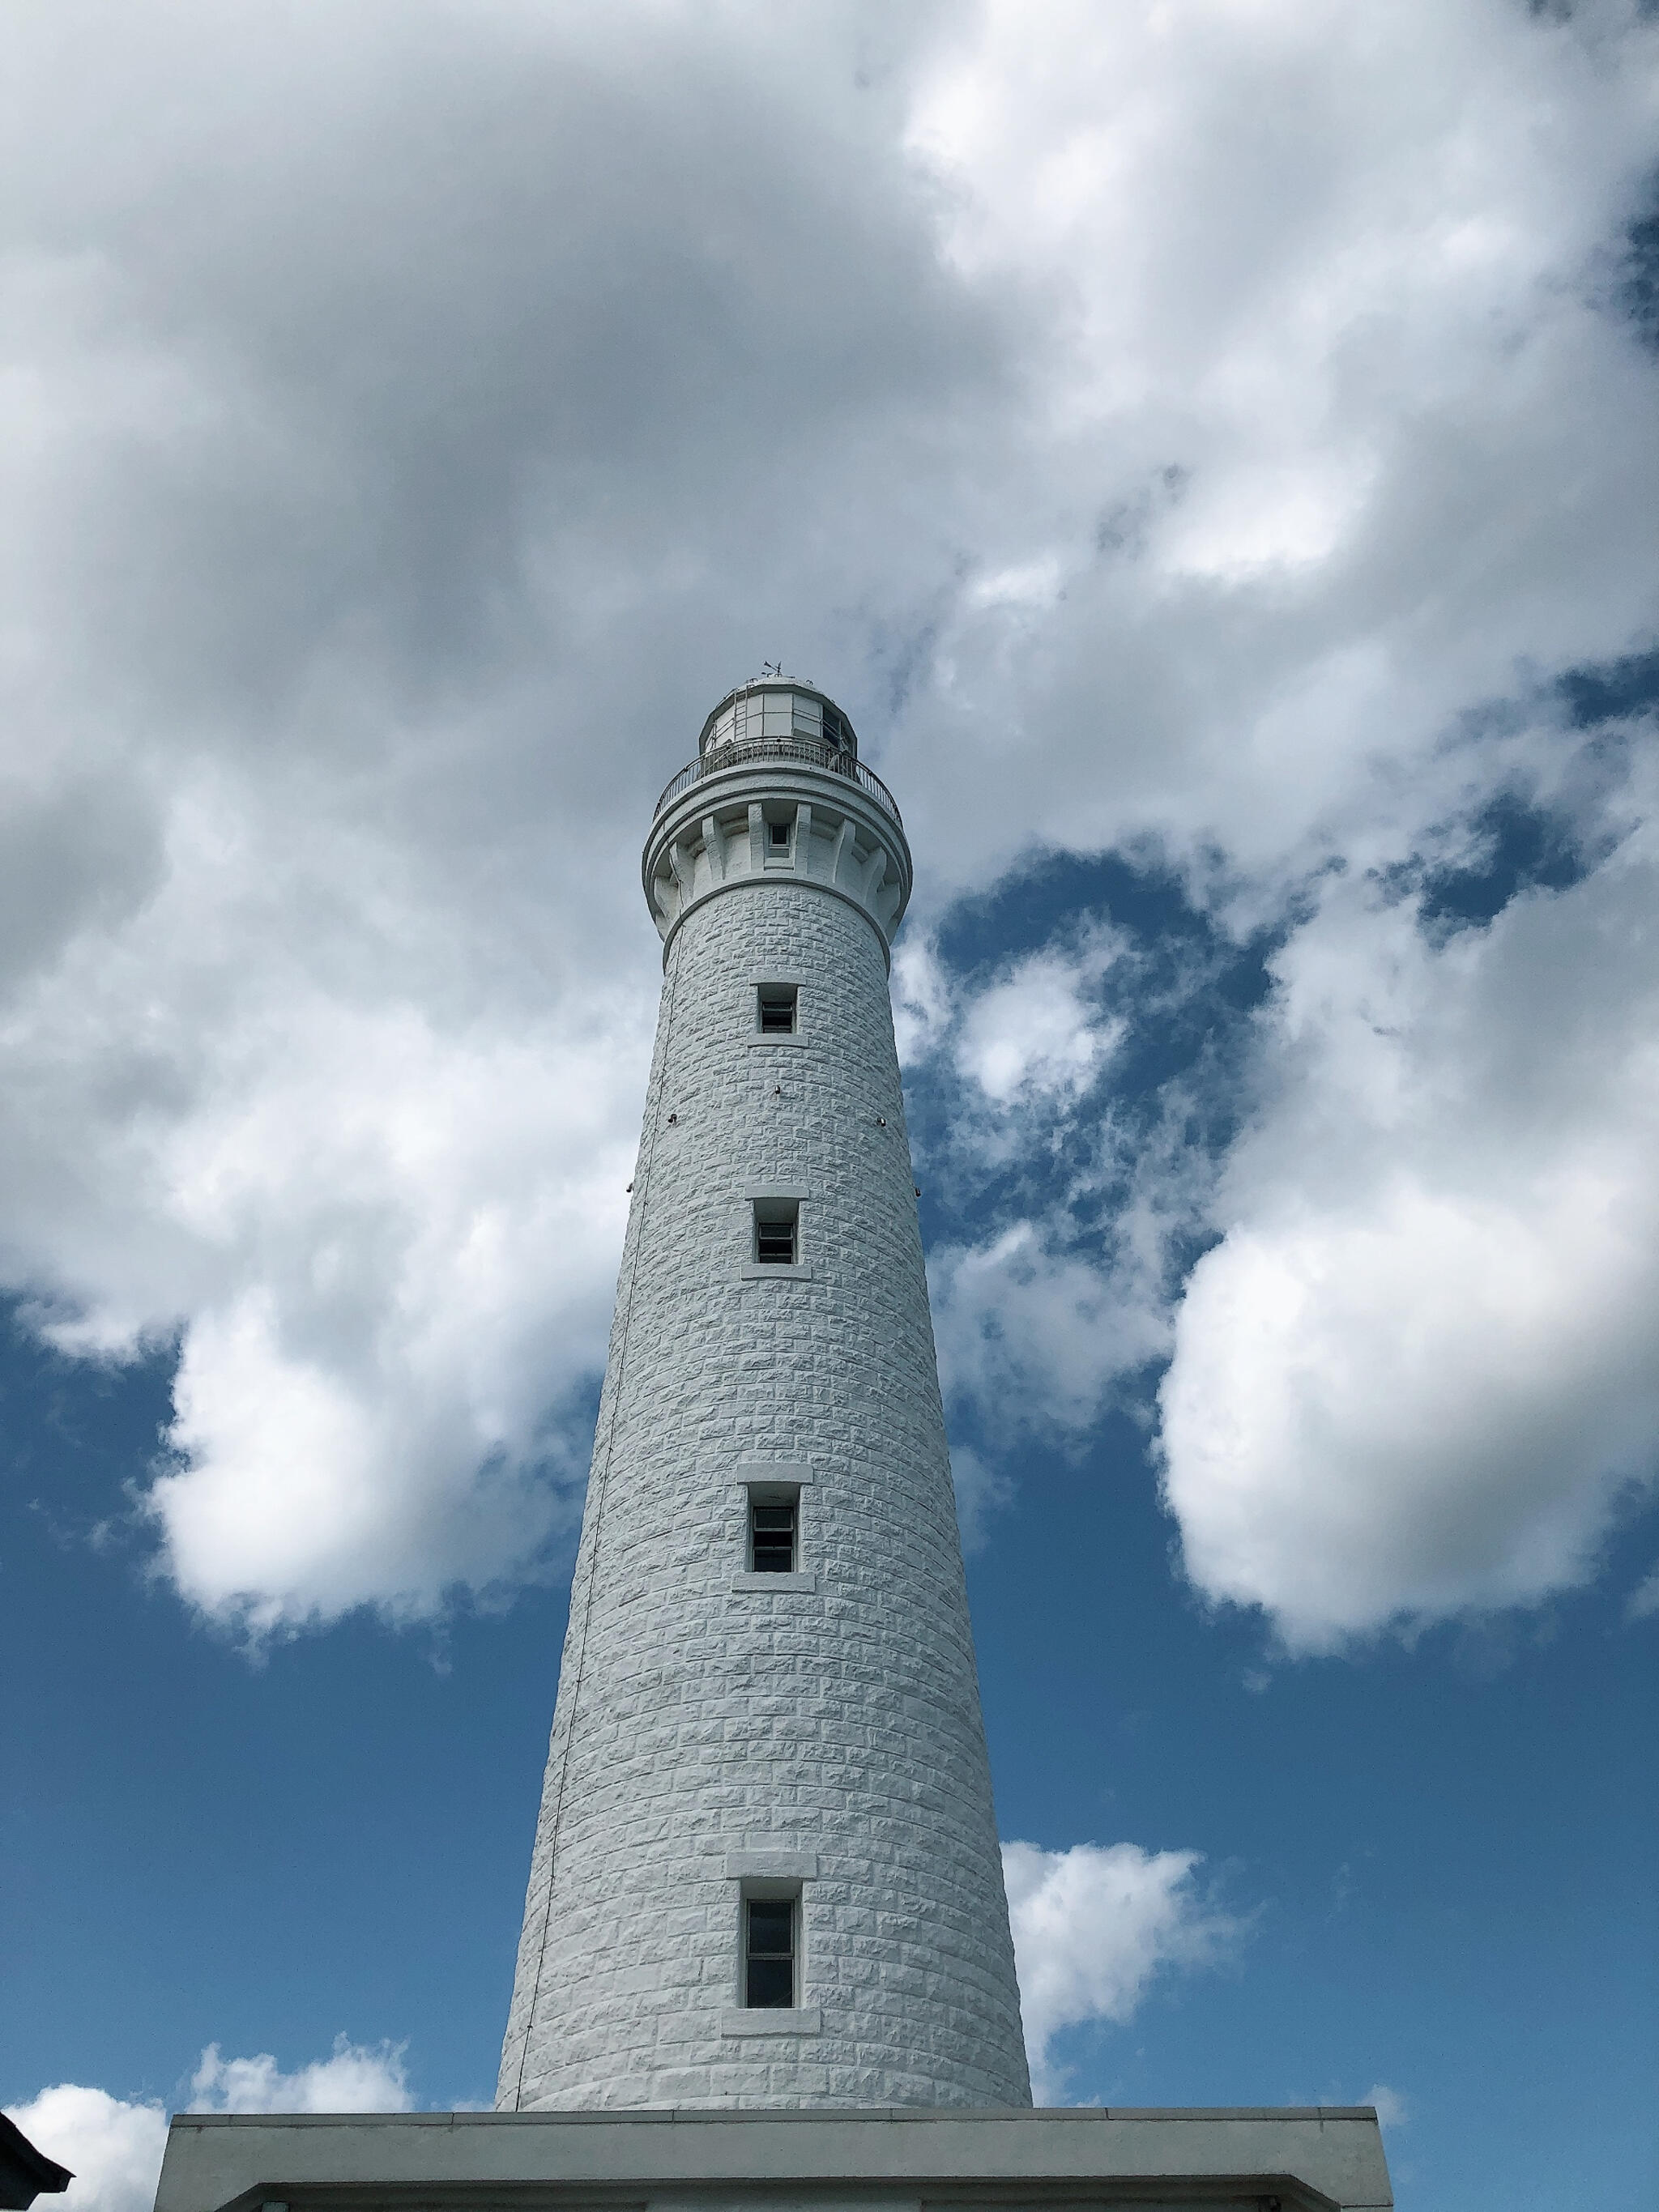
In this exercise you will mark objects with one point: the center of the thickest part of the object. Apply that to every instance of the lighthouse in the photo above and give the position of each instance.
(766, 1869)
(765, 1963)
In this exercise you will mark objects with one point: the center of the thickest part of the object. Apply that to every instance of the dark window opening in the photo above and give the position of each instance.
(775, 1224)
(778, 1003)
(768, 1963)
(772, 1525)
(779, 833)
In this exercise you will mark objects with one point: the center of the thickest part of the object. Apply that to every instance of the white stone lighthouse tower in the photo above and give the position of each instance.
(766, 1870)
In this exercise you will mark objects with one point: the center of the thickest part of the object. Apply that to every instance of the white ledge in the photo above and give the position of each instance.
(771, 1272)
(1312, 2158)
(771, 1866)
(774, 1585)
(783, 1036)
(800, 2020)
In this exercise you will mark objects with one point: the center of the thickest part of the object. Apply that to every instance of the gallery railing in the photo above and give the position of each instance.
(812, 751)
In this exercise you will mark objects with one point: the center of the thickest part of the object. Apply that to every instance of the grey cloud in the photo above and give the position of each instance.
(440, 309)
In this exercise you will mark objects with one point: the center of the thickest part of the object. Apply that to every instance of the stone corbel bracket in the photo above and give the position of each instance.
(719, 835)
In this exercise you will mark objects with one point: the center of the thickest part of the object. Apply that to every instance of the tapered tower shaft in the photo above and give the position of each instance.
(766, 1869)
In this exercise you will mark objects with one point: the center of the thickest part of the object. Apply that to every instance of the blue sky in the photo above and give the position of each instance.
(1209, 451)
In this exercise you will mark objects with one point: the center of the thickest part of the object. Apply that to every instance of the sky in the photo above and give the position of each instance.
(1211, 449)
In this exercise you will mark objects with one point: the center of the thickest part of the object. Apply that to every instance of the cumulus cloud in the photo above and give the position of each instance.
(923, 1000)
(1035, 1031)
(355, 2077)
(113, 2150)
(1093, 1927)
(1042, 1334)
(382, 1229)
(1310, 312)
(1422, 1365)
(114, 2147)
(1157, 425)
(1031, 1332)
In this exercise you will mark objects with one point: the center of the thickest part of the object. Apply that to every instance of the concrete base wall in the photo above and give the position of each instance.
(898, 2161)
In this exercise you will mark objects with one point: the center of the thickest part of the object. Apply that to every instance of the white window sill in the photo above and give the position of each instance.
(773, 1272)
(766, 2020)
(783, 1036)
(776, 1583)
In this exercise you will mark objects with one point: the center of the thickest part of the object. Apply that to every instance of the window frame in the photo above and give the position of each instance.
(788, 1894)
(770, 998)
(773, 1213)
(774, 1494)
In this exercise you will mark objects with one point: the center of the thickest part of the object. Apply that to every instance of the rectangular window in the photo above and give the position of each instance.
(769, 1951)
(773, 1520)
(777, 1221)
(778, 1004)
(778, 836)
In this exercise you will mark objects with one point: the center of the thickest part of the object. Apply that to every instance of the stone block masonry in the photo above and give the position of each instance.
(827, 1733)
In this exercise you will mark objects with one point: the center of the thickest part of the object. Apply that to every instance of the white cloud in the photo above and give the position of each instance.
(354, 2077)
(1093, 1926)
(981, 1491)
(1034, 1032)
(1182, 415)
(1422, 1364)
(1391, 2109)
(113, 2150)
(1036, 1336)
(384, 1229)
(923, 1005)
(1309, 312)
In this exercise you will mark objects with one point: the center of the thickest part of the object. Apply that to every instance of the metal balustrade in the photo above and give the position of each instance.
(814, 754)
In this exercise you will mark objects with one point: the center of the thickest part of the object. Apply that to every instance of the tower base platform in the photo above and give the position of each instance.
(1065, 2158)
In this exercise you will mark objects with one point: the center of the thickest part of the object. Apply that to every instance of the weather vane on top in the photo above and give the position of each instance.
(771, 668)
